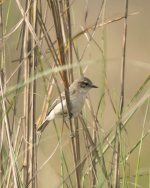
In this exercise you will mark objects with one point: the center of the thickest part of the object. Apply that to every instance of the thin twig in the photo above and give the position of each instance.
(119, 124)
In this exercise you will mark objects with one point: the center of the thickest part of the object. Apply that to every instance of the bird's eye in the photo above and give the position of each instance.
(86, 83)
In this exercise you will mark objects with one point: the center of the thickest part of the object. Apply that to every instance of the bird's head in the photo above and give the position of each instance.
(85, 84)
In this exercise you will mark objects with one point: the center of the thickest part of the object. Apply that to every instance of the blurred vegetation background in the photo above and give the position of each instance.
(44, 46)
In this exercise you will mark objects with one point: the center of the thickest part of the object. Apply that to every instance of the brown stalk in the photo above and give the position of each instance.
(119, 124)
(76, 123)
(91, 27)
(34, 63)
(62, 23)
(27, 90)
(2, 78)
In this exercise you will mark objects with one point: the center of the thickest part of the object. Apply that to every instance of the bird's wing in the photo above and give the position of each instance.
(42, 126)
(57, 101)
(60, 99)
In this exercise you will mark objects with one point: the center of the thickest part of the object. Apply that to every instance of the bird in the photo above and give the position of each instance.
(78, 91)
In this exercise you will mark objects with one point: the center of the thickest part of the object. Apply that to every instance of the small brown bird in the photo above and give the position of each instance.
(78, 91)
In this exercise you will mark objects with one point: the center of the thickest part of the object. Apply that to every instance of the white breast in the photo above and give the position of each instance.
(77, 105)
(77, 102)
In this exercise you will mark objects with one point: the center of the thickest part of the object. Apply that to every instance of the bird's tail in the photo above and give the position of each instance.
(42, 126)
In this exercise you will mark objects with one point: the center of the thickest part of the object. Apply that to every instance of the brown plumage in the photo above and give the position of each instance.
(78, 91)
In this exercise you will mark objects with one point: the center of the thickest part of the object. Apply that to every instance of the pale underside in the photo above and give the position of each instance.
(59, 108)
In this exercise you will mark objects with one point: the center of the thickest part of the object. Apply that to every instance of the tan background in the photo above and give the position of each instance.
(137, 69)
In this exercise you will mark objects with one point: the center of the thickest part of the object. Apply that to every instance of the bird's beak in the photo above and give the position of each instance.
(93, 86)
